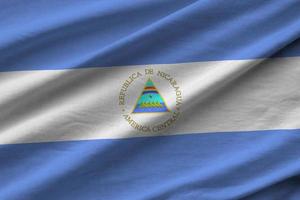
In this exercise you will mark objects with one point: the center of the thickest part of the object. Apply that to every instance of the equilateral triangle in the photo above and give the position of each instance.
(150, 101)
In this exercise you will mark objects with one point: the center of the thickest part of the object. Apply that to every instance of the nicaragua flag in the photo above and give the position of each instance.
(150, 100)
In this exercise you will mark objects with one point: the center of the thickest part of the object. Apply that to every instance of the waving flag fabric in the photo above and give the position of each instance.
(149, 100)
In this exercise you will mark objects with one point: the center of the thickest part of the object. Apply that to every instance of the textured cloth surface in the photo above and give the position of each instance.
(149, 100)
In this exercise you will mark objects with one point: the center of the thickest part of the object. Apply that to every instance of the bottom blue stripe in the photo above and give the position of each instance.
(237, 165)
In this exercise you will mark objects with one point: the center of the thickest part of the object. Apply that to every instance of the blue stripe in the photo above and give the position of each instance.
(150, 109)
(40, 35)
(217, 166)
(151, 92)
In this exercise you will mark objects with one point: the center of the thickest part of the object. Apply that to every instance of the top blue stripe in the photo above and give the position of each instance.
(40, 35)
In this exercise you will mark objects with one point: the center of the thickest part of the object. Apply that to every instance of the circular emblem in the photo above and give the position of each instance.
(150, 100)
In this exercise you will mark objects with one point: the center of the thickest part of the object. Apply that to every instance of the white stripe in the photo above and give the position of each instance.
(78, 104)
